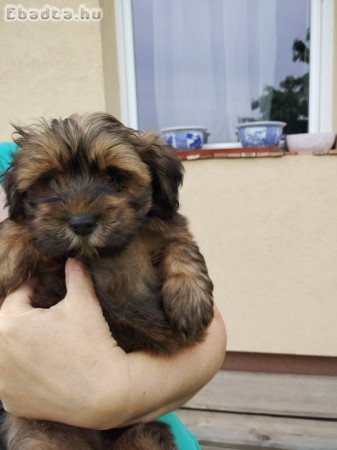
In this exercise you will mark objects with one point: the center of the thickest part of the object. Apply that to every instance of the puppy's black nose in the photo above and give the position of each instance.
(82, 224)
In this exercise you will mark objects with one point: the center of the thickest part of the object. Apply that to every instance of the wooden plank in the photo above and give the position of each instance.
(207, 447)
(272, 394)
(221, 447)
(279, 363)
(240, 431)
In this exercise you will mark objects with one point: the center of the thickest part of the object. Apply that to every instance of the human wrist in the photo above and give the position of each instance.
(130, 396)
(109, 397)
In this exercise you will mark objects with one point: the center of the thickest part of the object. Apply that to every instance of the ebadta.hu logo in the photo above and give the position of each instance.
(51, 13)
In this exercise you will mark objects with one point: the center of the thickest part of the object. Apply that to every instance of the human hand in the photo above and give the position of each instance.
(57, 363)
(62, 364)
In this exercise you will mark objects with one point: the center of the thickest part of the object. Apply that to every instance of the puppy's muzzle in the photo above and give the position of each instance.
(83, 224)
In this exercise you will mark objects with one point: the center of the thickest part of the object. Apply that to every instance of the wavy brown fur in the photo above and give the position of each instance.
(148, 273)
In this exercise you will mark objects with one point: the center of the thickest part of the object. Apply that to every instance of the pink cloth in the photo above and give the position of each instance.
(3, 210)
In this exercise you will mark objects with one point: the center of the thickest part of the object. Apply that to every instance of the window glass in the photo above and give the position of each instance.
(215, 63)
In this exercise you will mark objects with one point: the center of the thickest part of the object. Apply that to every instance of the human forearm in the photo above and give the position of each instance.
(158, 385)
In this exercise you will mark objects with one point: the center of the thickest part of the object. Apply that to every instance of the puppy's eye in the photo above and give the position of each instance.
(42, 183)
(46, 177)
(116, 177)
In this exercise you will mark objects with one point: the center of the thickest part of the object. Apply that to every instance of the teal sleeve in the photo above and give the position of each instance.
(6, 151)
(185, 440)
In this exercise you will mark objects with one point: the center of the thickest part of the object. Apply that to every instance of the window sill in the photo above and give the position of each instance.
(249, 152)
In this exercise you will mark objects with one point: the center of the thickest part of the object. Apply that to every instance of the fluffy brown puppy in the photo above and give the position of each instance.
(90, 188)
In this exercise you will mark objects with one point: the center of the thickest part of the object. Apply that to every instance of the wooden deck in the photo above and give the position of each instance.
(241, 410)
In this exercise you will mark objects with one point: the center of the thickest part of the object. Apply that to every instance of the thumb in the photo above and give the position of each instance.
(78, 282)
(20, 300)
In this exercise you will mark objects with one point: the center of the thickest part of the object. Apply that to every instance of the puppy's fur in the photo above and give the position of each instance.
(90, 188)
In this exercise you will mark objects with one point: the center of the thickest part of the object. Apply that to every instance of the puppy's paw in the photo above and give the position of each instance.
(188, 304)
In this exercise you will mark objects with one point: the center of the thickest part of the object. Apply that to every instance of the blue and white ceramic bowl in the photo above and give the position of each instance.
(185, 137)
(260, 134)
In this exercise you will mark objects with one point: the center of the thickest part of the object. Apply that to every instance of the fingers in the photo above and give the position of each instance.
(78, 282)
(20, 299)
(79, 288)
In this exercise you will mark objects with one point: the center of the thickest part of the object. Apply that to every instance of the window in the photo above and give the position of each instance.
(214, 63)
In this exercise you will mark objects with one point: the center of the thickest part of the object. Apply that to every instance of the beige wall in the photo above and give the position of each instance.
(268, 230)
(110, 65)
(267, 227)
(49, 69)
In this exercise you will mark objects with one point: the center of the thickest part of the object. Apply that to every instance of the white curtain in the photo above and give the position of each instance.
(211, 58)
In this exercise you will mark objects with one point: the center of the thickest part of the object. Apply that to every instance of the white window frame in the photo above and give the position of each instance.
(321, 64)
(126, 63)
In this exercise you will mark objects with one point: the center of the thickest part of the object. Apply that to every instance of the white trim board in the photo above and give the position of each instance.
(321, 65)
(126, 63)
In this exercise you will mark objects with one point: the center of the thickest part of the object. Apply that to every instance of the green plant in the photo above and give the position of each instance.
(290, 101)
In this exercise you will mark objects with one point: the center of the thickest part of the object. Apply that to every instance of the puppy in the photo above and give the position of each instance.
(90, 188)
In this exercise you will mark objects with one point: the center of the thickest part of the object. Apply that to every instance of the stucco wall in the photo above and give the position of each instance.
(110, 63)
(268, 230)
(49, 69)
(267, 227)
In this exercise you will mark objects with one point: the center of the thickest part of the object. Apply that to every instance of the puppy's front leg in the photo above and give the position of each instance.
(18, 256)
(187, 289)
(22, 434)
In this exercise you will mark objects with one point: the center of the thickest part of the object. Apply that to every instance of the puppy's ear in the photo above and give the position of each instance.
(166, 171)
(15, 199)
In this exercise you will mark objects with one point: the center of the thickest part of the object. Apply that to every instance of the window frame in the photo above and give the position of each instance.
(320, 67)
